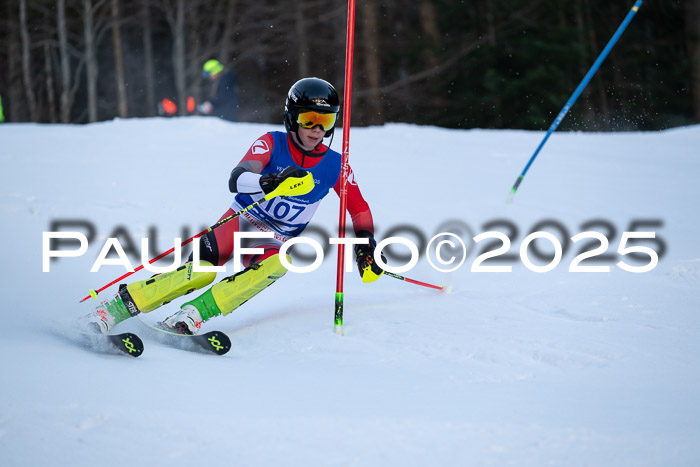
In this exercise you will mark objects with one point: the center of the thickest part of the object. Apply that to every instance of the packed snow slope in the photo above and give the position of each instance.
(512, 368)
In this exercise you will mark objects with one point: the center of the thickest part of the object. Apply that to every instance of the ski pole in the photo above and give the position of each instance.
(93, 293)
(576, 94)
(295, 186)
(412, 281)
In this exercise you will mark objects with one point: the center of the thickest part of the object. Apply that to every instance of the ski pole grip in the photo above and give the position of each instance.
(293, 186)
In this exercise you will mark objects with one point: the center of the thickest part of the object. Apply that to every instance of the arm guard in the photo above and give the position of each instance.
(244, 181)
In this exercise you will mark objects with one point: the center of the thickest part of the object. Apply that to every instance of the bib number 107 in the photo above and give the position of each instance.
(283, 210)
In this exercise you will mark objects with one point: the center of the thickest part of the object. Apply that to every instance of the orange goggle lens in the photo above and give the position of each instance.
(309, 119)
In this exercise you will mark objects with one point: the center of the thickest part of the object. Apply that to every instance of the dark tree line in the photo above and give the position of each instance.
(459, 64)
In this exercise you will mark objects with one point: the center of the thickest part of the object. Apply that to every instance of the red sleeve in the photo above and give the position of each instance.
(357, 206)
(260, 151)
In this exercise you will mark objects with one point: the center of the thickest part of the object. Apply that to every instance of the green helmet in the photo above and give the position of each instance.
(211, 67)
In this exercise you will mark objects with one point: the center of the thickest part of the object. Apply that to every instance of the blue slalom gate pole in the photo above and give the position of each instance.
(577, 93)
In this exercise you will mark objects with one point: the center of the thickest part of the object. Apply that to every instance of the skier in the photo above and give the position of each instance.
(225, 103)
(273, 162)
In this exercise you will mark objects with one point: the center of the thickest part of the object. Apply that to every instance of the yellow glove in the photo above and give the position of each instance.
(364, 254)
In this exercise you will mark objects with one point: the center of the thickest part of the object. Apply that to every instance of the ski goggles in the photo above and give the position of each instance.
(309, 119)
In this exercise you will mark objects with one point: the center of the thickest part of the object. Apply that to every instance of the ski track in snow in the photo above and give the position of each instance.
(520, 368)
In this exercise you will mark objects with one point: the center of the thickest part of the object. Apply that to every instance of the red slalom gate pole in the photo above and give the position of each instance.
(347, 99)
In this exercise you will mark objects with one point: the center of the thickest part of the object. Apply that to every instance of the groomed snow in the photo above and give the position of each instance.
(518, 368)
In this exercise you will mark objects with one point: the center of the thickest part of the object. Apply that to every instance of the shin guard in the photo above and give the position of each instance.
(150, 294)
(232, 292)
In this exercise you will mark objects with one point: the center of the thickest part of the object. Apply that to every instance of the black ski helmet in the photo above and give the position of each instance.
(312, 94)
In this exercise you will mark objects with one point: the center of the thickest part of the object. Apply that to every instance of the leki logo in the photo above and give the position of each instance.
(260, 147)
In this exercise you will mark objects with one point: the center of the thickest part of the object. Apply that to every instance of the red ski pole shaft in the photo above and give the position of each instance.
(412, 281)
(93, 293)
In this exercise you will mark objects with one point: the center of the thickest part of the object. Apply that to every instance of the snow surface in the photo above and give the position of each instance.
(519, 368)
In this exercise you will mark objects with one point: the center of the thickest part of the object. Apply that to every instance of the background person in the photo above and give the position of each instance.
(224, 104)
